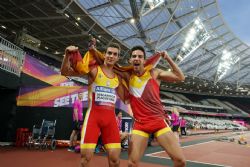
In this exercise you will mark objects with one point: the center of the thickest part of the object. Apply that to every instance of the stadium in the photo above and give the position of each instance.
(37, 101)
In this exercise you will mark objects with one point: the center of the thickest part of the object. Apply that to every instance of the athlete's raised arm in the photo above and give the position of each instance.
(175, 75)
(66, 68)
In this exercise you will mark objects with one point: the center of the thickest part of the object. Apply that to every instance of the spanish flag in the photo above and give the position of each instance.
(95, 57)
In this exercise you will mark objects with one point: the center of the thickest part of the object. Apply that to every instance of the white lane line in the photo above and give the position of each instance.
(182, 147)
(190, 161)
(152, 155)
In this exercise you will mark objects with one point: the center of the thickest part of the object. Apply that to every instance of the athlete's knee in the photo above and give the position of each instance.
(114, 161)
(179, 162)
(86, 157)
(133, 162)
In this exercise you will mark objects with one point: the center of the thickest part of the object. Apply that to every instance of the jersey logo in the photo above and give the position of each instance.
(138, 84)
(108, 83)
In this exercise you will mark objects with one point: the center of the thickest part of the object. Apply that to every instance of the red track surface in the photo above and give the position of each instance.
(21, 157)
(214, 152)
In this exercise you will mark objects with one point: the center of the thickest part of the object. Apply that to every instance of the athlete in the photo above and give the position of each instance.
(100, 116)
(147, 108)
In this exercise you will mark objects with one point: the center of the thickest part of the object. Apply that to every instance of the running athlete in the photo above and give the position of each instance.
(147, 108)
(100, 116)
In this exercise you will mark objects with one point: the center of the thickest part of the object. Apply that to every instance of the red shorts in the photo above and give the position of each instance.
(157, 127)
(98, 122)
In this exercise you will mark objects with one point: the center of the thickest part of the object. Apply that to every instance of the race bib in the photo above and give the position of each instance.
(105, 95)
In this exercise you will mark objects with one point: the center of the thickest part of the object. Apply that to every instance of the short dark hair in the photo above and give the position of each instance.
(138, 47)
(114, 45)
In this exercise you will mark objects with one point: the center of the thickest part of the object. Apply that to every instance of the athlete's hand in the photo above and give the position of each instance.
(73, 55)
(92, 44)
(164, 55)
(71, 49)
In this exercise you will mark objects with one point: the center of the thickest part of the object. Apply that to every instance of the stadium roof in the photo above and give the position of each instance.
(193, 32)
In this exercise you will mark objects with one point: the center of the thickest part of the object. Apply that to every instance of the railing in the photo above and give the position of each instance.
(11, 57)
(191, 105)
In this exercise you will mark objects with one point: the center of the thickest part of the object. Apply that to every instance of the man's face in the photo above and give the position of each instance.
(80, 96)
(111, 56)
(137, 60)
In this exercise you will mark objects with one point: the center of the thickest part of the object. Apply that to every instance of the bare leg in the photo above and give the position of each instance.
(86, 156)
(75, 140)
(170, 144)
(137, 146)
(177, 136)
(114, 157)
(72, 138)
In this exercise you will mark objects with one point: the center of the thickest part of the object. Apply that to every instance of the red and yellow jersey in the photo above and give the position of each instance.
(102, 91)
(100, 116)
(145, 98)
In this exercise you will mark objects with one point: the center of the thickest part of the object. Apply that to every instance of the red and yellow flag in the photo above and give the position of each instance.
(93, 58)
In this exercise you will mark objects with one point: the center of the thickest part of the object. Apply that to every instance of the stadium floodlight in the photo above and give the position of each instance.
(56, 52)
(226, 63)
(132, 20)
(196, 35)
(150, 5)
(30, 41)
(4, 27)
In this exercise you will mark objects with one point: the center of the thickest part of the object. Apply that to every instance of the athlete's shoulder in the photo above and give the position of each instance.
(155, 72)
